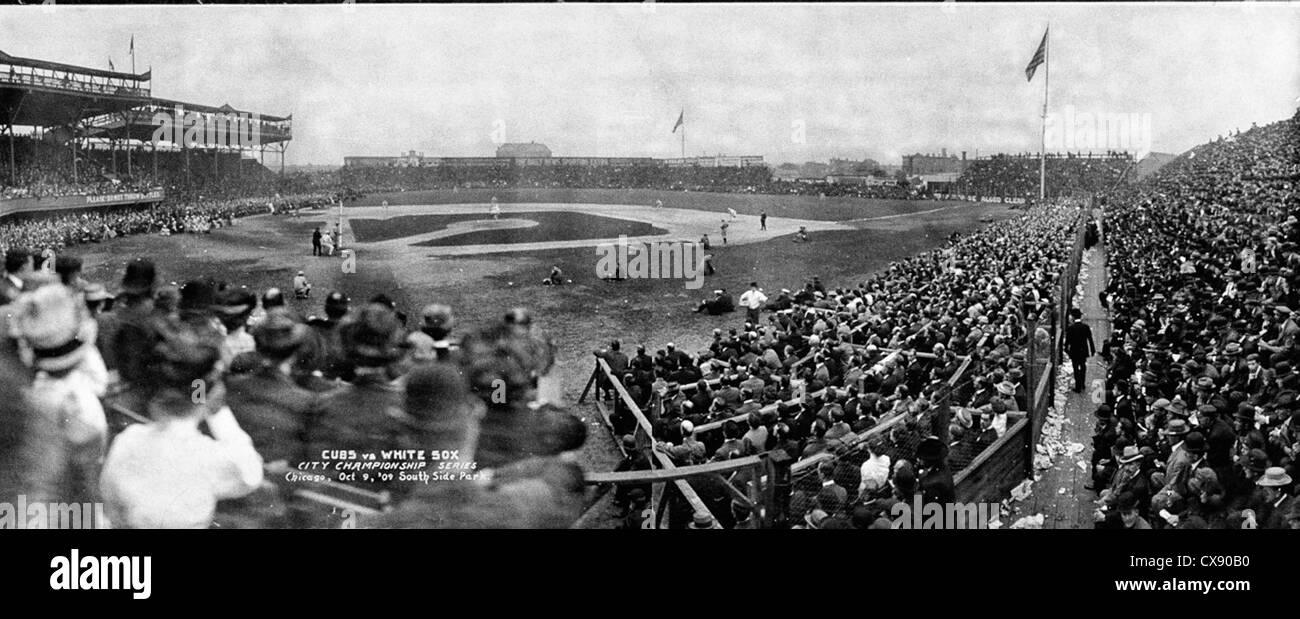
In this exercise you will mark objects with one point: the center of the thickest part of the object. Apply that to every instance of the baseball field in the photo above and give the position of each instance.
(444, 246)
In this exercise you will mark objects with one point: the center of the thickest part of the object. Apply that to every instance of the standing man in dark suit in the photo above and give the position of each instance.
(933, 475)
(315, 242)
(1079, 346)
(618, 365)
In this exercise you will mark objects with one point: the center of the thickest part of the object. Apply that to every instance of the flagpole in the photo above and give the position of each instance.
(1042, 147)
(683, 133)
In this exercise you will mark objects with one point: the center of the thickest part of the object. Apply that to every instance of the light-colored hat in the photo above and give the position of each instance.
(53, 323)
(1131, 454)
(1274, 477)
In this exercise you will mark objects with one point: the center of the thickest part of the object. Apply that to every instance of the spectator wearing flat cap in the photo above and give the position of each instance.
(334, 362)
(440, 409)
(268, 404)
(233, 307)
(363, 416)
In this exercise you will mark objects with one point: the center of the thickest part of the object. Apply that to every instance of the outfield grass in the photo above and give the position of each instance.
(794, 207)
(266, 251)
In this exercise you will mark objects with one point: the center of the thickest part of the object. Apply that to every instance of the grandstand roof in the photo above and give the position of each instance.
(45, 107)
(224, 108)
(138, 123)
(71, 68)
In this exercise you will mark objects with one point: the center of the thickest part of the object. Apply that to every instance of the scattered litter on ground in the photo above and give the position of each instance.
(1022, 491)
(1029, 522)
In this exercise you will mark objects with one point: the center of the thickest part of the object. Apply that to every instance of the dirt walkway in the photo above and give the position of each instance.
(1058, 494)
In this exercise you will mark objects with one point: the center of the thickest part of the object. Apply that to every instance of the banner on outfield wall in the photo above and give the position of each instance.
(62, 203)
(995, 199)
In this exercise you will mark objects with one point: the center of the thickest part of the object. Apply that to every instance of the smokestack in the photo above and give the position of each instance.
(945, 152)
(963, 155)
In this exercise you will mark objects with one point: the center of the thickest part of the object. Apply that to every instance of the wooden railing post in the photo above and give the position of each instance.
(776, 512)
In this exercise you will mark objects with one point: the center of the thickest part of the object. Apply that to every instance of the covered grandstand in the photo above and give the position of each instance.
(78, 131)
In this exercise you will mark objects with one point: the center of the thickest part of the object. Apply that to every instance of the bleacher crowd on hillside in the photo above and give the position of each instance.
(1201, 426)
(1017, 176)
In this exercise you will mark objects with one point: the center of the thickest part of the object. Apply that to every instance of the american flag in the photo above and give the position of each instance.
(1039, 57)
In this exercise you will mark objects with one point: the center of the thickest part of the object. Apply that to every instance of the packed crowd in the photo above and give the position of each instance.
(893, 191)
(751, 179)
(1201, 426)
(173, 216)
(1016, 176)
(197, 407)
(44, 170)
(818, 374)
(505, 175)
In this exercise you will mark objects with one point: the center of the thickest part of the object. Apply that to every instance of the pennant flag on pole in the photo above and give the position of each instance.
(1038, 58)
(110, 65)
(680, 118)
(133, 45)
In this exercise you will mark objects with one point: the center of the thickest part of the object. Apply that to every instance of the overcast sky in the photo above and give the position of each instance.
(791, 83)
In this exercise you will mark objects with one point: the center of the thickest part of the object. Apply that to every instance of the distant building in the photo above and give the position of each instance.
(531, 149)
(411, 159)
(716, 161)
(919, 164)
(855, 179)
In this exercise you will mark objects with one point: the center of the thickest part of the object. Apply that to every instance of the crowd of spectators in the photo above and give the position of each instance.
(506, 175)
(197, 406)
(1069, 174)
(749, 179)
(1201, 426)
(172, 216)
(817, 374)
(45, 170)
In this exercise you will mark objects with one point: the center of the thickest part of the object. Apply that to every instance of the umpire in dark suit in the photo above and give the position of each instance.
(1079, 346)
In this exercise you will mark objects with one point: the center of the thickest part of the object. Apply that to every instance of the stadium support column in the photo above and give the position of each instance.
(126, 125)
(1042, 148)
(13, 113)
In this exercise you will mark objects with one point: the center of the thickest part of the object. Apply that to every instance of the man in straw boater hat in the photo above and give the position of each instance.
(1271, 506)
(168, 473)
(56, 338)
